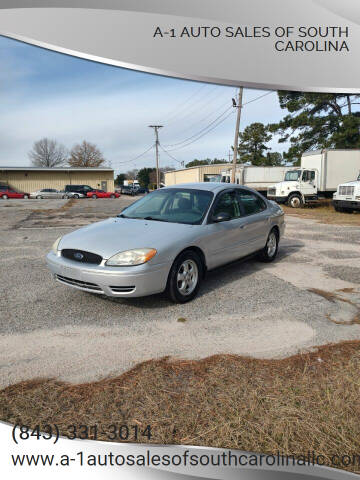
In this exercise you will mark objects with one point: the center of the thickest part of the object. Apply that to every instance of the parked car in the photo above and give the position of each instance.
(78, 191)
(141, 191)
(7, 192)
(49, 193)
(127, 190)
(167, 240)
(102, 194)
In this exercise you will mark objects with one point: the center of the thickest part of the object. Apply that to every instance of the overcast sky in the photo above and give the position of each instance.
(48, 94)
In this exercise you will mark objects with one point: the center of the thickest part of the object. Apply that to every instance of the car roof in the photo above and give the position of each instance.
(209, 186)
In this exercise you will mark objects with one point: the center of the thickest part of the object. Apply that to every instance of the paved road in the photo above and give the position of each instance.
(47, 329)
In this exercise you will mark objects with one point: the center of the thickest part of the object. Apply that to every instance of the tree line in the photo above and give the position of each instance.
(50, 153)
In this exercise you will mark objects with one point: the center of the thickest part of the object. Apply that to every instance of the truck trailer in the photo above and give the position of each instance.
(258, 178)
(317, 178)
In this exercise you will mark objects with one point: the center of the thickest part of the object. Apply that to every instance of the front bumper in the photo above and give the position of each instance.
(353, 204)
(277, 199)
(137, 281)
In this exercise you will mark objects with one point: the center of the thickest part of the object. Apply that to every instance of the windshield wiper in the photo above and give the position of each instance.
(156, 219)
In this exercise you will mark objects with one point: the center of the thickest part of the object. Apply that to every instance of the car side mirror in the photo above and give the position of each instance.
(221, 217)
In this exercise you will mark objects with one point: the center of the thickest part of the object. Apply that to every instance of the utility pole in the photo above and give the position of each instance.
(237, 105)
(156, 129)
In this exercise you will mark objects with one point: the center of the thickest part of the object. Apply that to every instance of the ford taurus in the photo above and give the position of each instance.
(167, 240)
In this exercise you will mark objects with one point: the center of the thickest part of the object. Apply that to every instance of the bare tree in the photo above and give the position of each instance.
(48, 153)
(86, 154)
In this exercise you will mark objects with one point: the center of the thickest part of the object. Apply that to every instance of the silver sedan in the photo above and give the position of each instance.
(48, 193)
(167, 240)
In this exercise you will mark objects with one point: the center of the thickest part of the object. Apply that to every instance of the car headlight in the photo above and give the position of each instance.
(54, 248)
(137, 256)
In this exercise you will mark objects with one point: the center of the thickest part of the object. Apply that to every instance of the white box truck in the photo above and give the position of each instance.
(318, 177)
(258, 178)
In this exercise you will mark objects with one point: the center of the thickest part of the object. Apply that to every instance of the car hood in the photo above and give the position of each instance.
(115, 235)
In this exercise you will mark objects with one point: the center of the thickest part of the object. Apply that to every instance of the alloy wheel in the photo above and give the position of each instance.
(187, 277)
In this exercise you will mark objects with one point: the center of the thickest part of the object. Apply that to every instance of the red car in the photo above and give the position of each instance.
(102, 194)
(6, 192)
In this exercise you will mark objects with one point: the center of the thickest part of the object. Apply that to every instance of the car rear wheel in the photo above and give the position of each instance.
(185, 277)
(112, 196)
(269, 252)
(38, 197)
(4, 197)
(94, 197)
(26, 196)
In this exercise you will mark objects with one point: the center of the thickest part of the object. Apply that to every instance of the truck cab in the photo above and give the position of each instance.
(347, 196)
(300, 185)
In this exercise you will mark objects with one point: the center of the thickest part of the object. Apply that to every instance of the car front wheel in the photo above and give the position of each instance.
(26, 196)
(94, 197)
(185, 277)
(295, 201)
(4, 197)
(269, 252)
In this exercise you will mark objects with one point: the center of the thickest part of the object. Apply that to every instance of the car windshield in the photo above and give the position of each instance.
(292, 175)
(171, 205)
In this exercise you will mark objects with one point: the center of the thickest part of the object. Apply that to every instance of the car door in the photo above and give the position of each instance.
(225, 241)
(256, 218)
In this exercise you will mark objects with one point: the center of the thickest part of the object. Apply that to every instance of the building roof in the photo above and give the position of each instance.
(59, 169)
(199, 166)
(209, 186)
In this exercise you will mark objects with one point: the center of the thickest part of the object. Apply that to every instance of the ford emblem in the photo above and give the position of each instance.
(78, 256)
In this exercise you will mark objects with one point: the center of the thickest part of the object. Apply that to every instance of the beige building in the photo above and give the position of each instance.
(30, 179)
(201, 173)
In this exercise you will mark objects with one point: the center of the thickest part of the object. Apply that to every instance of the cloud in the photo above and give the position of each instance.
(47, 94)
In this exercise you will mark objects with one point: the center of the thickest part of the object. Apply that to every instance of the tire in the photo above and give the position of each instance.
(339, 209)
(184, 290)
(269, 252)
(94, 197)
(348, 210)
(26, 197)
(112, 196)
(5, 197)
(295, 201)
(76, 196)
(38, 197)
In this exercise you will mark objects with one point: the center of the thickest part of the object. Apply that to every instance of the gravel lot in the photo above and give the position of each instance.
(249, 308)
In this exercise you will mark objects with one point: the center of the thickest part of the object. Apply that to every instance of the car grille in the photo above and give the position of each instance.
(81, 256)
(116, 289)
(271, 191)
(79, 283)
(346, 190)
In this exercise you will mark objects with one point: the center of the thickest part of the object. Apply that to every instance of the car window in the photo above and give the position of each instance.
(250, 202)
(172, 205)
(227, 203)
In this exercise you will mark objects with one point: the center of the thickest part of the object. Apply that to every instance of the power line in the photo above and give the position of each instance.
(138, 156)
(206, 129)
(200, 121)
(169, 154)
(183, 104)
(260, 96)
(200, 131)
(205, 133)
(189, 109)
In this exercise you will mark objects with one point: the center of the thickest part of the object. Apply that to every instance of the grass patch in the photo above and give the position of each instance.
(324, 212)
(306, 402)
